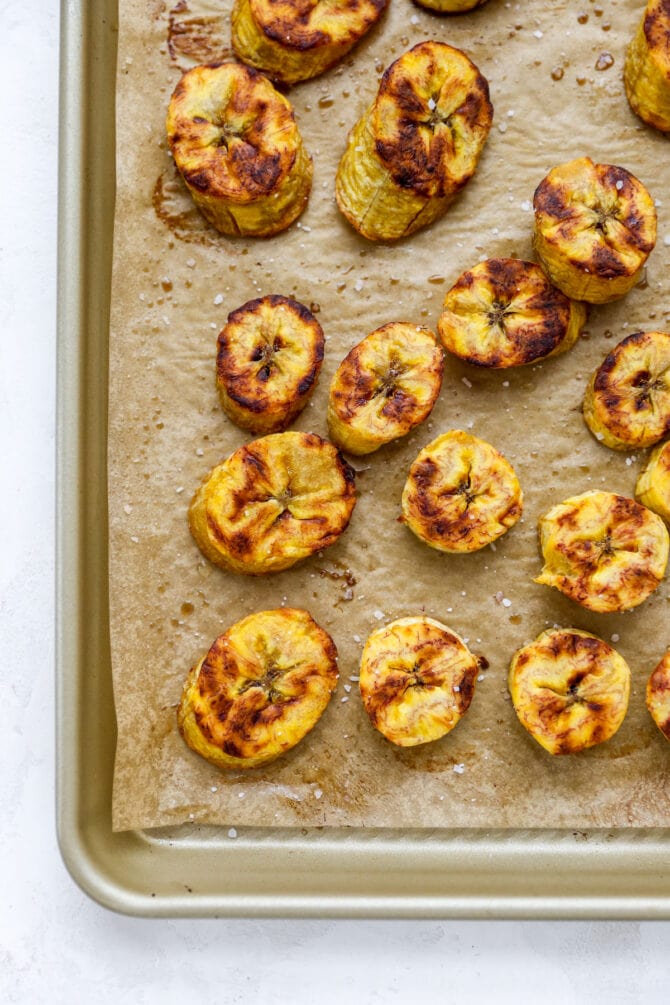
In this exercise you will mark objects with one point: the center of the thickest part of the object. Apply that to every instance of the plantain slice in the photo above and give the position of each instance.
(605, 551)
(627, 401)
(259, 690)
(647, 67)
(384, 387)
(595, 226)
(570, 690)
(504, 312)
(658, 695)
(417, 679)
(450, 6)
(292, 40)
(272, 503)
(268, 361)
(236, 144)
(461, 494)
(653, 485)
(417, 145)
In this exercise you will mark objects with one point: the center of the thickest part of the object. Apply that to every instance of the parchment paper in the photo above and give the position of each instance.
(175, 280)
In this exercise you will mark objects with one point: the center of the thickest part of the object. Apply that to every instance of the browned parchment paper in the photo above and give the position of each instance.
(175, 280)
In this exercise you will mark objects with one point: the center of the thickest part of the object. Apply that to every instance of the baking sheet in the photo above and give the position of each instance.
(175, 281)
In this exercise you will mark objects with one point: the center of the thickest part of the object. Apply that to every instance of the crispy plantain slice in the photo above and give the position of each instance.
(263, 685)
(461, 494)
(504, 312)
(570, 690)
(417, 680)
(272, 503)
(647, 67)
(658, 695)
(627, 401)
(417, 145)
(605, 551)
(653, 485)
(268, 361)
(384, 387)
(595, 227)
(236, 144)
(293, 40)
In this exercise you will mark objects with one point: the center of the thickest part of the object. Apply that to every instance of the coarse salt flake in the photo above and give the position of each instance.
(506, 602)
(459, 768)
(614, 637)
(218, 299)
(468, 383)
(232, 833)
(537, 33)
(317, 793)
(379, 615)
(432, 104)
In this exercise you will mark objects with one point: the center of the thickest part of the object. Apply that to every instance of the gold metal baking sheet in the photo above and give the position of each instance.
(193, 870)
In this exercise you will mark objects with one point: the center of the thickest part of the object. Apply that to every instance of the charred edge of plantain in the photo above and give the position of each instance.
(508, 277)
(414, 168)
(603, 402)
(260, 407)
(658, 695)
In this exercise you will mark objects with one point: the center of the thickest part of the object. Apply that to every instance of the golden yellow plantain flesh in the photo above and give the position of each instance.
(569, 689)
(269, 357)
(461, 494)
(273, 502)
(627, 401)
(653, 484)
(236, 144)
(658, 695)
(293, 40)
(647, 67)
(595, 227)
(417, 680)
(504, 312)
(384, 387)
(263, 685)
(604, 551)
(417, 145)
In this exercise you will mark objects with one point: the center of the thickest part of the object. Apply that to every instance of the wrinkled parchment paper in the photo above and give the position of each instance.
(175, 280)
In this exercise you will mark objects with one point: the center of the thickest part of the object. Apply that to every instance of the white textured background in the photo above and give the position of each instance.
(55, 944)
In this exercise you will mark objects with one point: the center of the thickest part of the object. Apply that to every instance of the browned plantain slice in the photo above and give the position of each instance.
(417, 145)
(658, 695)
(292, 40)
(505, 312)
(268, 361)
(595, 226)
(460, 494)
(263, 685)
(272, 503)
(569, 689)
(627, 401)
(385, 386)
(237, 146)
(647, 68)
(605, 551)
(417, 679)
(653, 485)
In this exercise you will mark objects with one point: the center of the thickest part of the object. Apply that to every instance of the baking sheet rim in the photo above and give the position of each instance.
(148, 873)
